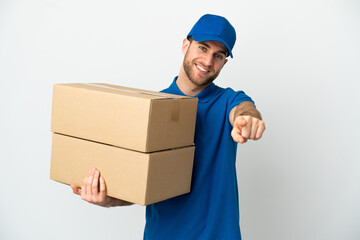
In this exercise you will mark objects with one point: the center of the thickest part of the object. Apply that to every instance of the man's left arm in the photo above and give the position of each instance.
(247, 122)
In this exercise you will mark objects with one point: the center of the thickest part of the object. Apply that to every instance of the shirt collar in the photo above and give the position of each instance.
(203, 96)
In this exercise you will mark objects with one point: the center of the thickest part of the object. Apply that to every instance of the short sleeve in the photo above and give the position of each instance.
(235, 98)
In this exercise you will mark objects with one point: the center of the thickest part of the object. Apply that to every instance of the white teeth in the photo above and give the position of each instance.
(201, 68)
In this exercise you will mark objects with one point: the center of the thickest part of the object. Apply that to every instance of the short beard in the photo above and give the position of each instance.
(187, 68)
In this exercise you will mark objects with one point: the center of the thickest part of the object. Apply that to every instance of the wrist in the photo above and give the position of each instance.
(255, 114)
(247, 109)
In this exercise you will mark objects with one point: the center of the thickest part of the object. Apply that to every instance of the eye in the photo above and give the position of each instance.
(202, 48)
(218, 56)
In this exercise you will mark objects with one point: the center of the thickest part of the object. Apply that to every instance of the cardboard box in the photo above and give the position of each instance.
(131, 118)
(142, 178)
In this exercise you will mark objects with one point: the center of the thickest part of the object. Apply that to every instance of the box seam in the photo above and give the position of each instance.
(148, 128)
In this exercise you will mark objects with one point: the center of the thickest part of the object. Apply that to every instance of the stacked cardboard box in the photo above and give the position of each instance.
(141, 141)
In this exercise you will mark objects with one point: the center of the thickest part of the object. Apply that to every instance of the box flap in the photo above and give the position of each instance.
(114, 89)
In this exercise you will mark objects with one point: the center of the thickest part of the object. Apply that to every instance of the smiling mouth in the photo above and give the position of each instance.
(201, 68)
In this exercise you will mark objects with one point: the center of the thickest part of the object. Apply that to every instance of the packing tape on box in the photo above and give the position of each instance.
(175, 109)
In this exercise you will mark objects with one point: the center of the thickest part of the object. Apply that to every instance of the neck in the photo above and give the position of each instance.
(186, 86)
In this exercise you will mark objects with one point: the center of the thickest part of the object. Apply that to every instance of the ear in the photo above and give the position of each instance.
(185, 45)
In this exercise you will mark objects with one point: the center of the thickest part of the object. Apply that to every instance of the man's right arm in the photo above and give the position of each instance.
(91, 192)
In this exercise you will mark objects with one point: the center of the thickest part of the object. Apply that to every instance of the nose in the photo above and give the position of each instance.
(209, 60)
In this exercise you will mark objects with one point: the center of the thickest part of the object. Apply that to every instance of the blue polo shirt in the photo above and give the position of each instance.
(211, 209)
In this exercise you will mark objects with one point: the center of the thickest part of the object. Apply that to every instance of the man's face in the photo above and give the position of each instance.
(203, 61)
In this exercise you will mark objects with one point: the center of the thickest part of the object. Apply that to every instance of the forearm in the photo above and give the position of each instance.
(246, 109)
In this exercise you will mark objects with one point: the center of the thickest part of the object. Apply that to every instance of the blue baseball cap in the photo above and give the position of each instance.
(214, 28)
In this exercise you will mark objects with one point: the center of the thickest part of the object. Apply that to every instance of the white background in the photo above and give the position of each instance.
(299, 61)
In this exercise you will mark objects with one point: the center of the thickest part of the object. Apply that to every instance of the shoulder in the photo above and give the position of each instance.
(166, 90)
(228, 92)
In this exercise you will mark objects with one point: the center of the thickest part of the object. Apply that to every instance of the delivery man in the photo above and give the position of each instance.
(224, 118)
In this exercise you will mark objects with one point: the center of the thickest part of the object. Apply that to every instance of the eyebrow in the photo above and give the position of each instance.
(207, 45)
